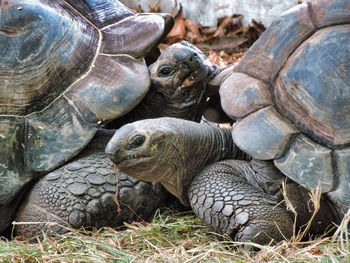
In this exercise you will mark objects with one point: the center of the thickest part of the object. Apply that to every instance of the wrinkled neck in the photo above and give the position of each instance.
(198, 146)
(155, 104)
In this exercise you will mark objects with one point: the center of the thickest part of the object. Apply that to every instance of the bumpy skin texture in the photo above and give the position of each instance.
(224, 200)
(83, 192)
(290, 96)
(241, 198)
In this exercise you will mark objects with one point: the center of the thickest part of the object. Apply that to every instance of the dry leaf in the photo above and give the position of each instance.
(214, 58)
(227, 43)
(178, 32)
(222, 26)
(192, 27)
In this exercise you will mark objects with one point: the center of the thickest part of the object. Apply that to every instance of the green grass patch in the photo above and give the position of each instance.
(170, 237)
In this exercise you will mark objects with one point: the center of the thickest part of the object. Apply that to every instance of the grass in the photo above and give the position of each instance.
(170, 237)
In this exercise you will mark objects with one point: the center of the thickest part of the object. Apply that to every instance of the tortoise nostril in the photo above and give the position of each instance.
(193, 57)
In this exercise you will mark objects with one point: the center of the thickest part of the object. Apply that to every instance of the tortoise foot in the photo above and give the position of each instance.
(222, 197)
(56, 206)
(83, 193)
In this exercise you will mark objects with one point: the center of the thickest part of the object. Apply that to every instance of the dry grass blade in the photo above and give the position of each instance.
(342, 233)
(290, 207)
(170, 237)
(315, 197)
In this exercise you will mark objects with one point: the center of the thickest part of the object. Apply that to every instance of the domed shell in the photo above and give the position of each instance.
(65, 66)
(290, 95)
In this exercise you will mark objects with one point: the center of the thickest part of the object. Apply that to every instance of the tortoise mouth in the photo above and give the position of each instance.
(131, 160)
(190, 77)
(196, 74)
(188, 93)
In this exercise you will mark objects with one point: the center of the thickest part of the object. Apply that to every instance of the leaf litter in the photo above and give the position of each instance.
(223, 44)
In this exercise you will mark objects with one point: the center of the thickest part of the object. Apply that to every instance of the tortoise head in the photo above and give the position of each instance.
(143, 148)
(181, 75)
(153, 150)
(169, 151)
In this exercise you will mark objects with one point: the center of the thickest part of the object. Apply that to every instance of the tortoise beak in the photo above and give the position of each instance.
(112, 151)
(116, 146)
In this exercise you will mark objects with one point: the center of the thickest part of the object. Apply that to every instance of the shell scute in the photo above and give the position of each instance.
(266, 57)
(53, 140)
(341, 195)
(241, 94)
(313, 89)
(263, 134)
(100, 12)
(104, 96)
(11, 134)
(12, 167)
(44, 53)
(134, 36)
(308, 164)
(325, 13)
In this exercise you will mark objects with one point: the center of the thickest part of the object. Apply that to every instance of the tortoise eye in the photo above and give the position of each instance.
(136, 141)
(166, 71)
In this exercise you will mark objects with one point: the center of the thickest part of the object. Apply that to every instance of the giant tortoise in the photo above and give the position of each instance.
(65, 67)
(87, 191)
(290, 98)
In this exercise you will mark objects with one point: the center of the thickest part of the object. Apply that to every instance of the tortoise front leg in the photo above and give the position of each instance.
(82, 194)
(223, 198)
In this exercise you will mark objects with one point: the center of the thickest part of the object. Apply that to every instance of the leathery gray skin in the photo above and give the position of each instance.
(180, 89)
(201, 166)
(80, 193)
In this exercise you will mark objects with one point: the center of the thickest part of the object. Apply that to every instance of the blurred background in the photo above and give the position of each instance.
(222, 29)
(210, 10)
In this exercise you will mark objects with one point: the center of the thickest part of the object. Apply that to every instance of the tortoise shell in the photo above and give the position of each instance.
(65, 66)
(290, 95)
